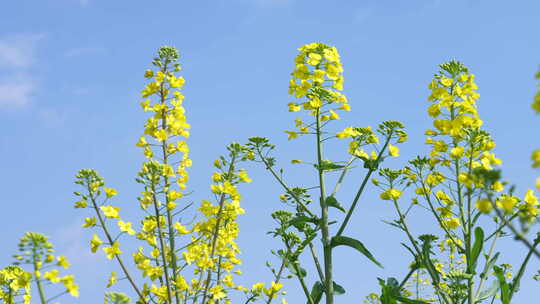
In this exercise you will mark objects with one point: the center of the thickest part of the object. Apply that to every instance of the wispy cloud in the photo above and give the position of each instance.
(84, 3)
(15, 95)
(17, 56)
(18, 51)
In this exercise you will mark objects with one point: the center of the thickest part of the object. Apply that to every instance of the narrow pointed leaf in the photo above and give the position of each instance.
(488, 293)
(338, 289)
(332, 202)
(356, 244)
(316, 292)
(477, 246)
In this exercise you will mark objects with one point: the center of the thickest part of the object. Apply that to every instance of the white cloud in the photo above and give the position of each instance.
(84, 3)
(17, 51)
(14, 95)
(17, 55)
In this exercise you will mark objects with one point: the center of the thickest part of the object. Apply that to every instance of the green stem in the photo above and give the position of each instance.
(316, 261)
(110, 240)
(517, 279)
(299, 276)
(166, 179)
(342, 175)
(404, 281)
(282, 183)
(361, 189)
(38, 280)
(277, 278)
(517, 234)
(162, 244)
(418, 251)
(327, 249)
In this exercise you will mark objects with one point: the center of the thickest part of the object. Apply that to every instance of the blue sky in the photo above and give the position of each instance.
(71, 72)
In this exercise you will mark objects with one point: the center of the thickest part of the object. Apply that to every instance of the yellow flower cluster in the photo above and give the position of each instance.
(213, 248)
(208, 246)
(317, 76)
(169, 120)
(460, 145)
(454, 103)
(37, 251)
(12, 280)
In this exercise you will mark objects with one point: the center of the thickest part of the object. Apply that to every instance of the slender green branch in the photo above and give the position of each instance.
(361, 189)
(418, 251)
(501, 227)
(38, 279)
(162, 245)
(404, 281)
(110, 240)
(277, 278)
(316, 261)
(519, 236)
(282, 183)
(299, 276)
(517, 279)
(342, 175)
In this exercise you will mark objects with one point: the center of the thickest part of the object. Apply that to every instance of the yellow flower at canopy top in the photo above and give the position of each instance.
(318, 78)
(454, 93)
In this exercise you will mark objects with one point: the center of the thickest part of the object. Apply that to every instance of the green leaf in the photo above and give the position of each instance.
(332, 202)
(338, 289)
(301, 271)
(289, 261)
(389, 291)
(318, 289)
(409, 301)
(477, 246)
(505, 288)
(356, 244)
(488, 293)
(372, 164)
(327, 165)
(300, 220)
(316, 292)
